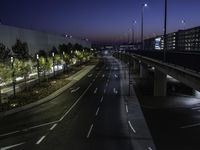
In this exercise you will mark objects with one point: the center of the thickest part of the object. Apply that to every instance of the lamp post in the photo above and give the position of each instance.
(13, 76)
(38, 68)
(133, 32)
(165, 32)
(142, 25)
(54, 74)
(64, 62)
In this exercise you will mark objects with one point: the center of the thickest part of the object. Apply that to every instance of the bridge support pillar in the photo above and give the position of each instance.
(160, 83)
(143, 71)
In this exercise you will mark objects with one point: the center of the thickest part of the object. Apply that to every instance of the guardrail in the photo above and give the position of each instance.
(189, 60)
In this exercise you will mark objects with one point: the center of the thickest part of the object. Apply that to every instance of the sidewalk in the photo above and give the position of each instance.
(142, 139)
(73, 79)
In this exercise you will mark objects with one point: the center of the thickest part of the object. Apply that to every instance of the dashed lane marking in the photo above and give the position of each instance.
(90, 130)
(130, 125)
(53, 126)
(40, 140)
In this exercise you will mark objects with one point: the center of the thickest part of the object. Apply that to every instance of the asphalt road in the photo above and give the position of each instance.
(91, 115)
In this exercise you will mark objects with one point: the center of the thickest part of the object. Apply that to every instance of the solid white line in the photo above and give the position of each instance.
(40, 140)
(10, 133)
(190, 126)
(67, 112)
(9, 147)
(53, 126)
(97, 112)
(127, 108)
(131, 127)
(41, 125)
(104, 91)
(149, 148)
(90, 130)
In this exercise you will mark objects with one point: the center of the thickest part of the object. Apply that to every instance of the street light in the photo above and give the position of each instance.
(38, 68)
(54, 74)
(133, 32)
(142, 24)
(64, 62)
(183, 23)
(165, 32)
(13, 75)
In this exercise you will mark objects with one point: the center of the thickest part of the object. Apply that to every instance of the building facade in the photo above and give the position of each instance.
(36, 40)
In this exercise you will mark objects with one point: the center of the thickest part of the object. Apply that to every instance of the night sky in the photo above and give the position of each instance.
(98, 20)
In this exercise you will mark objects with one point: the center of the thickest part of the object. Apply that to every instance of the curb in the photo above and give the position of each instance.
(80, 74)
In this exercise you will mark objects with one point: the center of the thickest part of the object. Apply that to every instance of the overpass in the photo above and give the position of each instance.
(183, 66)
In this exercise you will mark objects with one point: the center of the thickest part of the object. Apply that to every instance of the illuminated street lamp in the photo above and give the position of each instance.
(54, 74)
(142, 25)
(38, 68)
(133, 32)
(13, 75)
(63, 54)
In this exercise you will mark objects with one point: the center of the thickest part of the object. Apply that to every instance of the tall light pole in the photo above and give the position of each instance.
(142, 25)
(165, 33)
(13, 75)
(133, 32)
(38, 68)
(63, 54)
(54, 74)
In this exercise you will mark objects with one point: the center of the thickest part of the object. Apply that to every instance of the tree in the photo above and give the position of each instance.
(45, 65)
(4, 52)
(42, 53)
(25, 71)
(21, 50)
(5, 75)
(77, 47)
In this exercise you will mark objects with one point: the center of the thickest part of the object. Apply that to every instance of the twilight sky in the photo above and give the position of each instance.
(98, 20)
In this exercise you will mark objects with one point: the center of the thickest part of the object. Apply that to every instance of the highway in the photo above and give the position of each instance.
(92, 114)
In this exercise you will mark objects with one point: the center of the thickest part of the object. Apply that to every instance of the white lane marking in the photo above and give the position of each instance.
(97, 112)
(90, 75)
(127, 108)
(101, 99)
(104, 91)
(53, 126)
(149, 148)
(95, 91)
(67, 112)
(10, 133)
(9, 147)
(115, 91)
(190, 126)
(40, 140)
(103, 75)
(75, 90)
(195, 108)
(29, 128)
(89, 132)
(106, 84)
(131, 127)
(41, 125)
